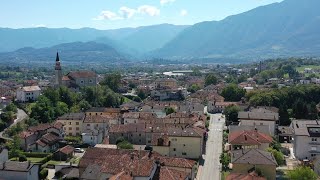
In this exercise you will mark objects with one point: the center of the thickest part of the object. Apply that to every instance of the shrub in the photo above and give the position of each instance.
(43, 173)
(46, 159)
(36, 154)
(125, 145)
(22, 158)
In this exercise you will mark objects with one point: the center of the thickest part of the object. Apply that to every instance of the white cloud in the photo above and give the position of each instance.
(107, 15)
(183, 12)
(150, 10)
(163, 2)
(126, 12)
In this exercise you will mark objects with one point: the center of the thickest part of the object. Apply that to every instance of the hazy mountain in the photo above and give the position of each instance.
(281, 29)
(89, 52)
(128, 40)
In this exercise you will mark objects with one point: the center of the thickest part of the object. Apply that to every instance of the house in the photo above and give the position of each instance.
(190, 107)
(169, 94)
(246, 160)
(43, 137)
(285, 134)
(94, 129)
(105, 163)
(165, 83)
(249, 139)
(64, 153)
(306, 139)
(218, 107)
(73, 123)
(138, 117)
(103, 111)
(259, 117)
(134, 133)
(19, 170)
(28, 93)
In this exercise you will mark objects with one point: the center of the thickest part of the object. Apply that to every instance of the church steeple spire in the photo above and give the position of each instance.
(57, 58)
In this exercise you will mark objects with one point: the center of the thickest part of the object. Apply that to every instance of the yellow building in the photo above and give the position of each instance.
(72, 123)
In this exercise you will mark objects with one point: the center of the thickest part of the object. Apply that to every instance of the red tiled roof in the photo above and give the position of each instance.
(67, 149)
(176, 162)
(172, 174)
(249, 138)
(121, 176)
(119, 128)
(47, 139)
(239, 176)
(81, 74)
(25, 134)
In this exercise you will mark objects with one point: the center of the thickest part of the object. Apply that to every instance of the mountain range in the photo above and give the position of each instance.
(288, 28)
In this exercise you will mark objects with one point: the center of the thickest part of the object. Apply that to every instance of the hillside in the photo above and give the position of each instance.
(281, 29)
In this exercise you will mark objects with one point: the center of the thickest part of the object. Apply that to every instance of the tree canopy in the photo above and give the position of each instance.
(233, 93)
(302, 173)
(210, 79)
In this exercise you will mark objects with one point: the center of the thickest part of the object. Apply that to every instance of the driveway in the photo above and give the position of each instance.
(211, 167)
(21, 115)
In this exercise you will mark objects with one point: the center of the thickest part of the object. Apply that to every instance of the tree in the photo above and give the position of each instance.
(11, 107)
(302, 173)
(141, 94)
(225, 160)
(210, 79)
(284, 119)
(43, 110)
(300, 109)
(61, 108)
(277, 155)
(233, 93)
(125, 145)
(194, 88)
(231, 114)
(112, 81)
(169, 110)
(14, 147)
(136, 99)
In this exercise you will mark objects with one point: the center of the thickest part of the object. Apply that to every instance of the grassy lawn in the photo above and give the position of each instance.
(301, 69)
(224, 174)
(75, 160)
(32, 159)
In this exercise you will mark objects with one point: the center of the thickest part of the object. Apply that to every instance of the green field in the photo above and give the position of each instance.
(301, 69)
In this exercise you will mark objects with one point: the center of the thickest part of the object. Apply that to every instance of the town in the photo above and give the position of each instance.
(253, 121)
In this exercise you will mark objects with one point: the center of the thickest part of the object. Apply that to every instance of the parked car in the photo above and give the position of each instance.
(78, 150)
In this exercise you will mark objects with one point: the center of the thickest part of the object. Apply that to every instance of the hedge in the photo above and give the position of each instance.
(36, 154)
(43, 173)
(46, 159)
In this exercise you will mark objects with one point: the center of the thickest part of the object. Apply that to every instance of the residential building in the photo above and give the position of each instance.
(218, 107)
(306, 138)
(105, 163)
(249, 139)
(63, 153)
(28, 93)
(285, 134)
(94, 129)
(134, 133)
(165, 83)
(245, 176)
(103, 111)
(169, 94)
(10, 170)
(42, 138)
(259, 117)
(246, 160)
(73, 123)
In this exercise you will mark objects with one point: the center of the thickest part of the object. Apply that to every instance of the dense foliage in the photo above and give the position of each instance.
(210, 79)
(233, 93)
(7, 116)
(302, 173)
(302, 99)
(231, 114)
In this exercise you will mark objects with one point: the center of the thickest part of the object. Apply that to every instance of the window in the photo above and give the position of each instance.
(139, 140)
(77, 128)
(70, 134)
(70, 128)
(149, 141)
(261, 124)
(313, 155)
(77, 123)
(184, 153)
(88, 124)
(70, 123)
(81, 81)
(184, 145)
(90, 81)
(314, 139)
(174, 149)
(313, 148)
(78, 134)
(140, 135)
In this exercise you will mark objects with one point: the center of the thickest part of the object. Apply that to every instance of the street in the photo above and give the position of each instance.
(211, 168)
(21, 115)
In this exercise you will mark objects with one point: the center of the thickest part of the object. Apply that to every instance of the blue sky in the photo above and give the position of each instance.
(112, 14)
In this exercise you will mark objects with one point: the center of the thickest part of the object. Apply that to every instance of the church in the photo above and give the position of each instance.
(74, 79)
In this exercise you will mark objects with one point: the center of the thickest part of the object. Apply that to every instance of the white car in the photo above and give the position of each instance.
(78, 150)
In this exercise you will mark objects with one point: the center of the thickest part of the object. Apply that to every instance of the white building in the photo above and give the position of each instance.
(28, 93)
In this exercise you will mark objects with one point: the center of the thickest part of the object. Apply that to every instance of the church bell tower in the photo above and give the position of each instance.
(58, 72)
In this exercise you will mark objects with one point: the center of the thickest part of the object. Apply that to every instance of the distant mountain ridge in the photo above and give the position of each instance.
(288, 28)
(124, 39)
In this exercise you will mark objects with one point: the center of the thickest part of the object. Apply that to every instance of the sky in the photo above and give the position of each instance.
(114, 14)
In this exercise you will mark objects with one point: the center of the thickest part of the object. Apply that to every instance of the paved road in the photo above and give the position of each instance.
(21, 115)
(211, 168)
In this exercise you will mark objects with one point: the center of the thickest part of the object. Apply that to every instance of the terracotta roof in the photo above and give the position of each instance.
(123, 128)
(70, 172)
(95, 119)
(253, 156)
(31, 88)
(65, 78)
(248, 138)
(184, 132)
(176, 162)
(103, 109)
(72, 116)
(239, 176)
(121, 176)
(81, 74)
(25, 134)
(267, 116)
(66, 149)
(114, 161)
(172, 174)
(139, 115)
(48, 139)
(160, 140)
(43, 127)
